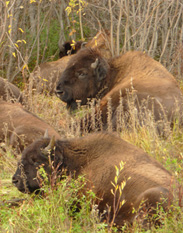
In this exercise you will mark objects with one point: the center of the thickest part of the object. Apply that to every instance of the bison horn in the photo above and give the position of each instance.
(94, 65)
(50, 145)
(46, 134)
(83, 44)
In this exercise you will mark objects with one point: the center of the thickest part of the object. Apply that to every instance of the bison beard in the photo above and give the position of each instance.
(89, 75)
(96, 156)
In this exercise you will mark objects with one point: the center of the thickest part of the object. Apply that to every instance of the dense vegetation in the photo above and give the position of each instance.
(30, 33)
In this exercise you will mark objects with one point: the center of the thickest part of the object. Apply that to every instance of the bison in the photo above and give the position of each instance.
(95, 156)
(89, 75)
(9, 92)
(47, 74)
(20, 126)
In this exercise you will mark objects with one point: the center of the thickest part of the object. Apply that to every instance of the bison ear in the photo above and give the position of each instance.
(101, 68)
(83, 44)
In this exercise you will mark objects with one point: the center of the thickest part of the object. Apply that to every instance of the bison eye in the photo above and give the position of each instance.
(33, 161)
(81, 74)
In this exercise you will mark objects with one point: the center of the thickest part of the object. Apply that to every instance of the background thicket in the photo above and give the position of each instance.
(31, 30)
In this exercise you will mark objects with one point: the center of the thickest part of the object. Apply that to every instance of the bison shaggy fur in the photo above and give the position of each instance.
(20, 126)
(89, 75)
(96, 156)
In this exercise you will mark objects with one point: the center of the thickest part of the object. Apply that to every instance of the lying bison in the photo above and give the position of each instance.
(9, 92)
(21, 127)
(89, 75)
(96, 156)
(47, 74)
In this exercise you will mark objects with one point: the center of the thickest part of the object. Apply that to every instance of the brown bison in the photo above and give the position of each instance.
(9, 92)
(21, 127)
(96, 156)
(89, 75)
(46, 75)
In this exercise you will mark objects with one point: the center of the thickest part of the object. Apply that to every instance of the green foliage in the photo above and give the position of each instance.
(64, 209)
(48, 43)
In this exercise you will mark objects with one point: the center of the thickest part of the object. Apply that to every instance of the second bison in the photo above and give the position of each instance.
(90, 75)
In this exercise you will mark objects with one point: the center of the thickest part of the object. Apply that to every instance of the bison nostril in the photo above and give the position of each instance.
(14, 180)
(59, 92)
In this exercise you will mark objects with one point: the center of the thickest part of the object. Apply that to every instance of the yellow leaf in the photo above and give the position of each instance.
(68, 10)
(9, 31)
(123, 184)
(16, 45)
(7, 3)
(31, 1)
(25, 67)
(24, 41)
(116, 179)
(21, 30)
(10, 15)
(45, 80)
(19, 41)
(14, 54)
(21, 7)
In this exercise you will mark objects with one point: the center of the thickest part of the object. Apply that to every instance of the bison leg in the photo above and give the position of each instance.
(149, 203)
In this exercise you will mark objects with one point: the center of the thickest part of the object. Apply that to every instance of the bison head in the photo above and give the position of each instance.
(40, 153)
(83, 77)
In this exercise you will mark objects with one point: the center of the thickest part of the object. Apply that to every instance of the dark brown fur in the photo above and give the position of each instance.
(96, 156)
(22, 126)
(69, 47)
(9, 92)
(133, 71)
